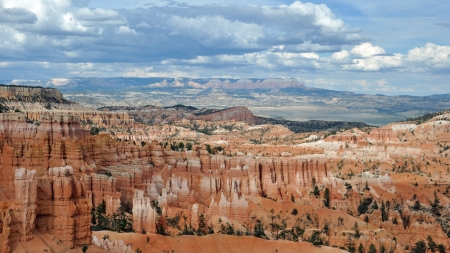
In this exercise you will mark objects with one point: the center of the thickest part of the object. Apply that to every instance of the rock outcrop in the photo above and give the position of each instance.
(64, 206)
(13, 92)
(115, 246)
(238, 113)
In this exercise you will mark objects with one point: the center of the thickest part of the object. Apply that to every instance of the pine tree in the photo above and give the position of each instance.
(201, 225)
(431, 244)
(375, 205)
(258, 230)
(356, 228)
(326, 196)
(416, 206)
(316, 192)
(436, 205)
(384, 213)
(372, 249)
(420, 247)
(361, 248)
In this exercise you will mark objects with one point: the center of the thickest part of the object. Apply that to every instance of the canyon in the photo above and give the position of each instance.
(114, 181)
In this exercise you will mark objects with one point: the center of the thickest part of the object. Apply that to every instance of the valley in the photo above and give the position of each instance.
(284, 98)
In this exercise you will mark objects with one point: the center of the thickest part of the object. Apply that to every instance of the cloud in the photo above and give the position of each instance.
(71, 54)
(443, 24)
(430, 56)
(16, 15)
(382, 82)
(366, 49)
(362, 83)
(96, 17)
(174, 31)
(216, 31)
(376, 63)
(369, 58)
(126, 30)
(342, 57)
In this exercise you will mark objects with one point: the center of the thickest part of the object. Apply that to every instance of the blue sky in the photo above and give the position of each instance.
(378, 47)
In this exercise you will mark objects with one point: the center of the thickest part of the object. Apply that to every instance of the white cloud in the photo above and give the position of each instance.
(376, 63)
(143, 24)
(216, 30)
(382, 82)
(340, 55)
(125, 30)
(309, 55)
(318, 15)
(71, 54)
(367, 49)
(362, 83)
(431, 55)
(99, 16)
(70, 24)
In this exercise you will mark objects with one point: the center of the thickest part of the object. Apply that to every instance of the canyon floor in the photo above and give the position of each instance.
(154, 179)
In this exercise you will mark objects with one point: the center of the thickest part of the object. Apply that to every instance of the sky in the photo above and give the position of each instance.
(375, 47)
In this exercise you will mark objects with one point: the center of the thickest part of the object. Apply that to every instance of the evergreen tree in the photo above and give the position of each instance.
(316, 192)
(384, 213)
(258, 230)
(208, 148)
(361, 248)
(356, 228)
(93, 216)
(420, 247)
(375, 205)
(366, 188)
(102, 208)
(351, 248)
(315, 238)
(431, 244)
(436, 205)
(313, 181)
(85, 248)
(201, 225)
(326, 196)
(372, 249)
(416, 206)
(441, 248)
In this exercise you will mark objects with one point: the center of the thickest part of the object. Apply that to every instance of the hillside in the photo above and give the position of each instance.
(157, 115)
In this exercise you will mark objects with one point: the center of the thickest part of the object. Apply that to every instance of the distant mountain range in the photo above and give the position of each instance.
(158, 82)
(277, 98)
